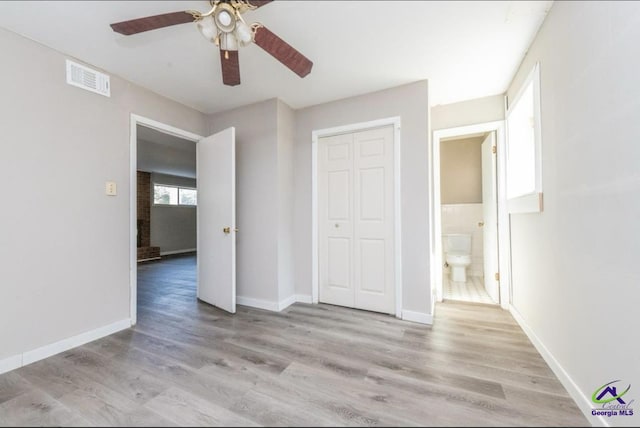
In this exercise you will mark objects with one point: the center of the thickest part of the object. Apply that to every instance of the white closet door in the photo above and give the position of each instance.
(356, 220)
(374, 220)
(335, 220)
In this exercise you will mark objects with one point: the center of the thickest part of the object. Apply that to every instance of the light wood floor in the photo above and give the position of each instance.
(186, 363)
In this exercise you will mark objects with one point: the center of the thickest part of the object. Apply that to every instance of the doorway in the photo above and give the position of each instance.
(356, 216)
(167, 195)
(469, 233)
(480, 228)
(215, 226)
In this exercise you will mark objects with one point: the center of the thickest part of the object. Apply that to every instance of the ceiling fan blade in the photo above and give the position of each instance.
(230, 67)
(141, 25)
(259, 3)
(283, 52)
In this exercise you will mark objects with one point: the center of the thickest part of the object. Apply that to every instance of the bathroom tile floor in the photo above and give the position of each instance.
(471, 291)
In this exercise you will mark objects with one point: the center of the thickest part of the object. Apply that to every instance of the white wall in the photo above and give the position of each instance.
(576, 281)
(173, 228)
(64, 245)
(479, 110)
(410, 102)
(256, 196)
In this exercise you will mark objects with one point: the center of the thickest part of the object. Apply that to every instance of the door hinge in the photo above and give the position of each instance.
(497, 276)
(494, 149)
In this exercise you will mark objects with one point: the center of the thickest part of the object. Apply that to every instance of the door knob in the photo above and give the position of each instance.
(337, 225)
(481, 224)
(227, 230)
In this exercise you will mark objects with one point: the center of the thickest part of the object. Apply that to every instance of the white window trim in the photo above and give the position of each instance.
(532, 202)
(175, 186)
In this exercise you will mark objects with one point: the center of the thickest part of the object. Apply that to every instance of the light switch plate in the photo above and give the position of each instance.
(111, 188)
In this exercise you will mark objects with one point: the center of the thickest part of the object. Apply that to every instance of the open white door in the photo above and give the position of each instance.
(217, 220)
(490, 208)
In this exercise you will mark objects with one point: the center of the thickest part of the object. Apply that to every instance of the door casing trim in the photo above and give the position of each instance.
(347, 129)
(133, 197)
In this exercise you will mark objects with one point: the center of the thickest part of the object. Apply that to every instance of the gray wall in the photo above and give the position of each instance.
(64, 252)
(461, 171)
(264, 199)
(286, 152)
(576, 280)
(166, 159)
(479, 110)
(410, 102)
(173, 228)
(256, 196)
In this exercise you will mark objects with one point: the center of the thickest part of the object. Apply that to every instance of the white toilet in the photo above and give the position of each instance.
(457, 250)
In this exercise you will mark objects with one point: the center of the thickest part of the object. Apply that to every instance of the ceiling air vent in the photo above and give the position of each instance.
(86, 78)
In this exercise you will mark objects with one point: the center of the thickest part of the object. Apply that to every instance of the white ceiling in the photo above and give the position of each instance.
(165, 154)
(466, 49)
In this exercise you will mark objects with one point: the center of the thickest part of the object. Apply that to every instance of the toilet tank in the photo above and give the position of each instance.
(457, 243)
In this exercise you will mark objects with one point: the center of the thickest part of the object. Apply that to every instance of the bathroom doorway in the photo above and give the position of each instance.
(469, 222)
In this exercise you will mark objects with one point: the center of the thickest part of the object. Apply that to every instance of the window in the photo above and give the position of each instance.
(172, 195)
(524, 178)
(187, 196)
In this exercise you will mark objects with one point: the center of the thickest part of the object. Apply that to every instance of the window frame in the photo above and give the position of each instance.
(530, 202)
(178, 204)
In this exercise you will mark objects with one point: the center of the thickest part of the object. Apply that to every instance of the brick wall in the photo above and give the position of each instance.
(145, 251)
(144, 208)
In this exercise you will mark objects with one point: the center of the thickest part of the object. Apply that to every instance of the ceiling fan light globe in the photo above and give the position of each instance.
(207, 28)
(243, 33)
(225, 18)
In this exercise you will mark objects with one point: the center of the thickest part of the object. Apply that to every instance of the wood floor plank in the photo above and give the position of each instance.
(34, 408)
(102, 406)
(269, 409)
(12, 385)
(186, 409)
(187, 363)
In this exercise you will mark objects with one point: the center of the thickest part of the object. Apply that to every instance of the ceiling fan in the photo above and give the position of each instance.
(225, 26)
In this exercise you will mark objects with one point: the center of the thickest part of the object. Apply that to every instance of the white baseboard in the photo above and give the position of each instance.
(418, 317)
(267, 305)
(284, 304)
(304, 298)
(148, 260)
(582, 401)
(46, 351)
(10, 363)
(170, 253)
